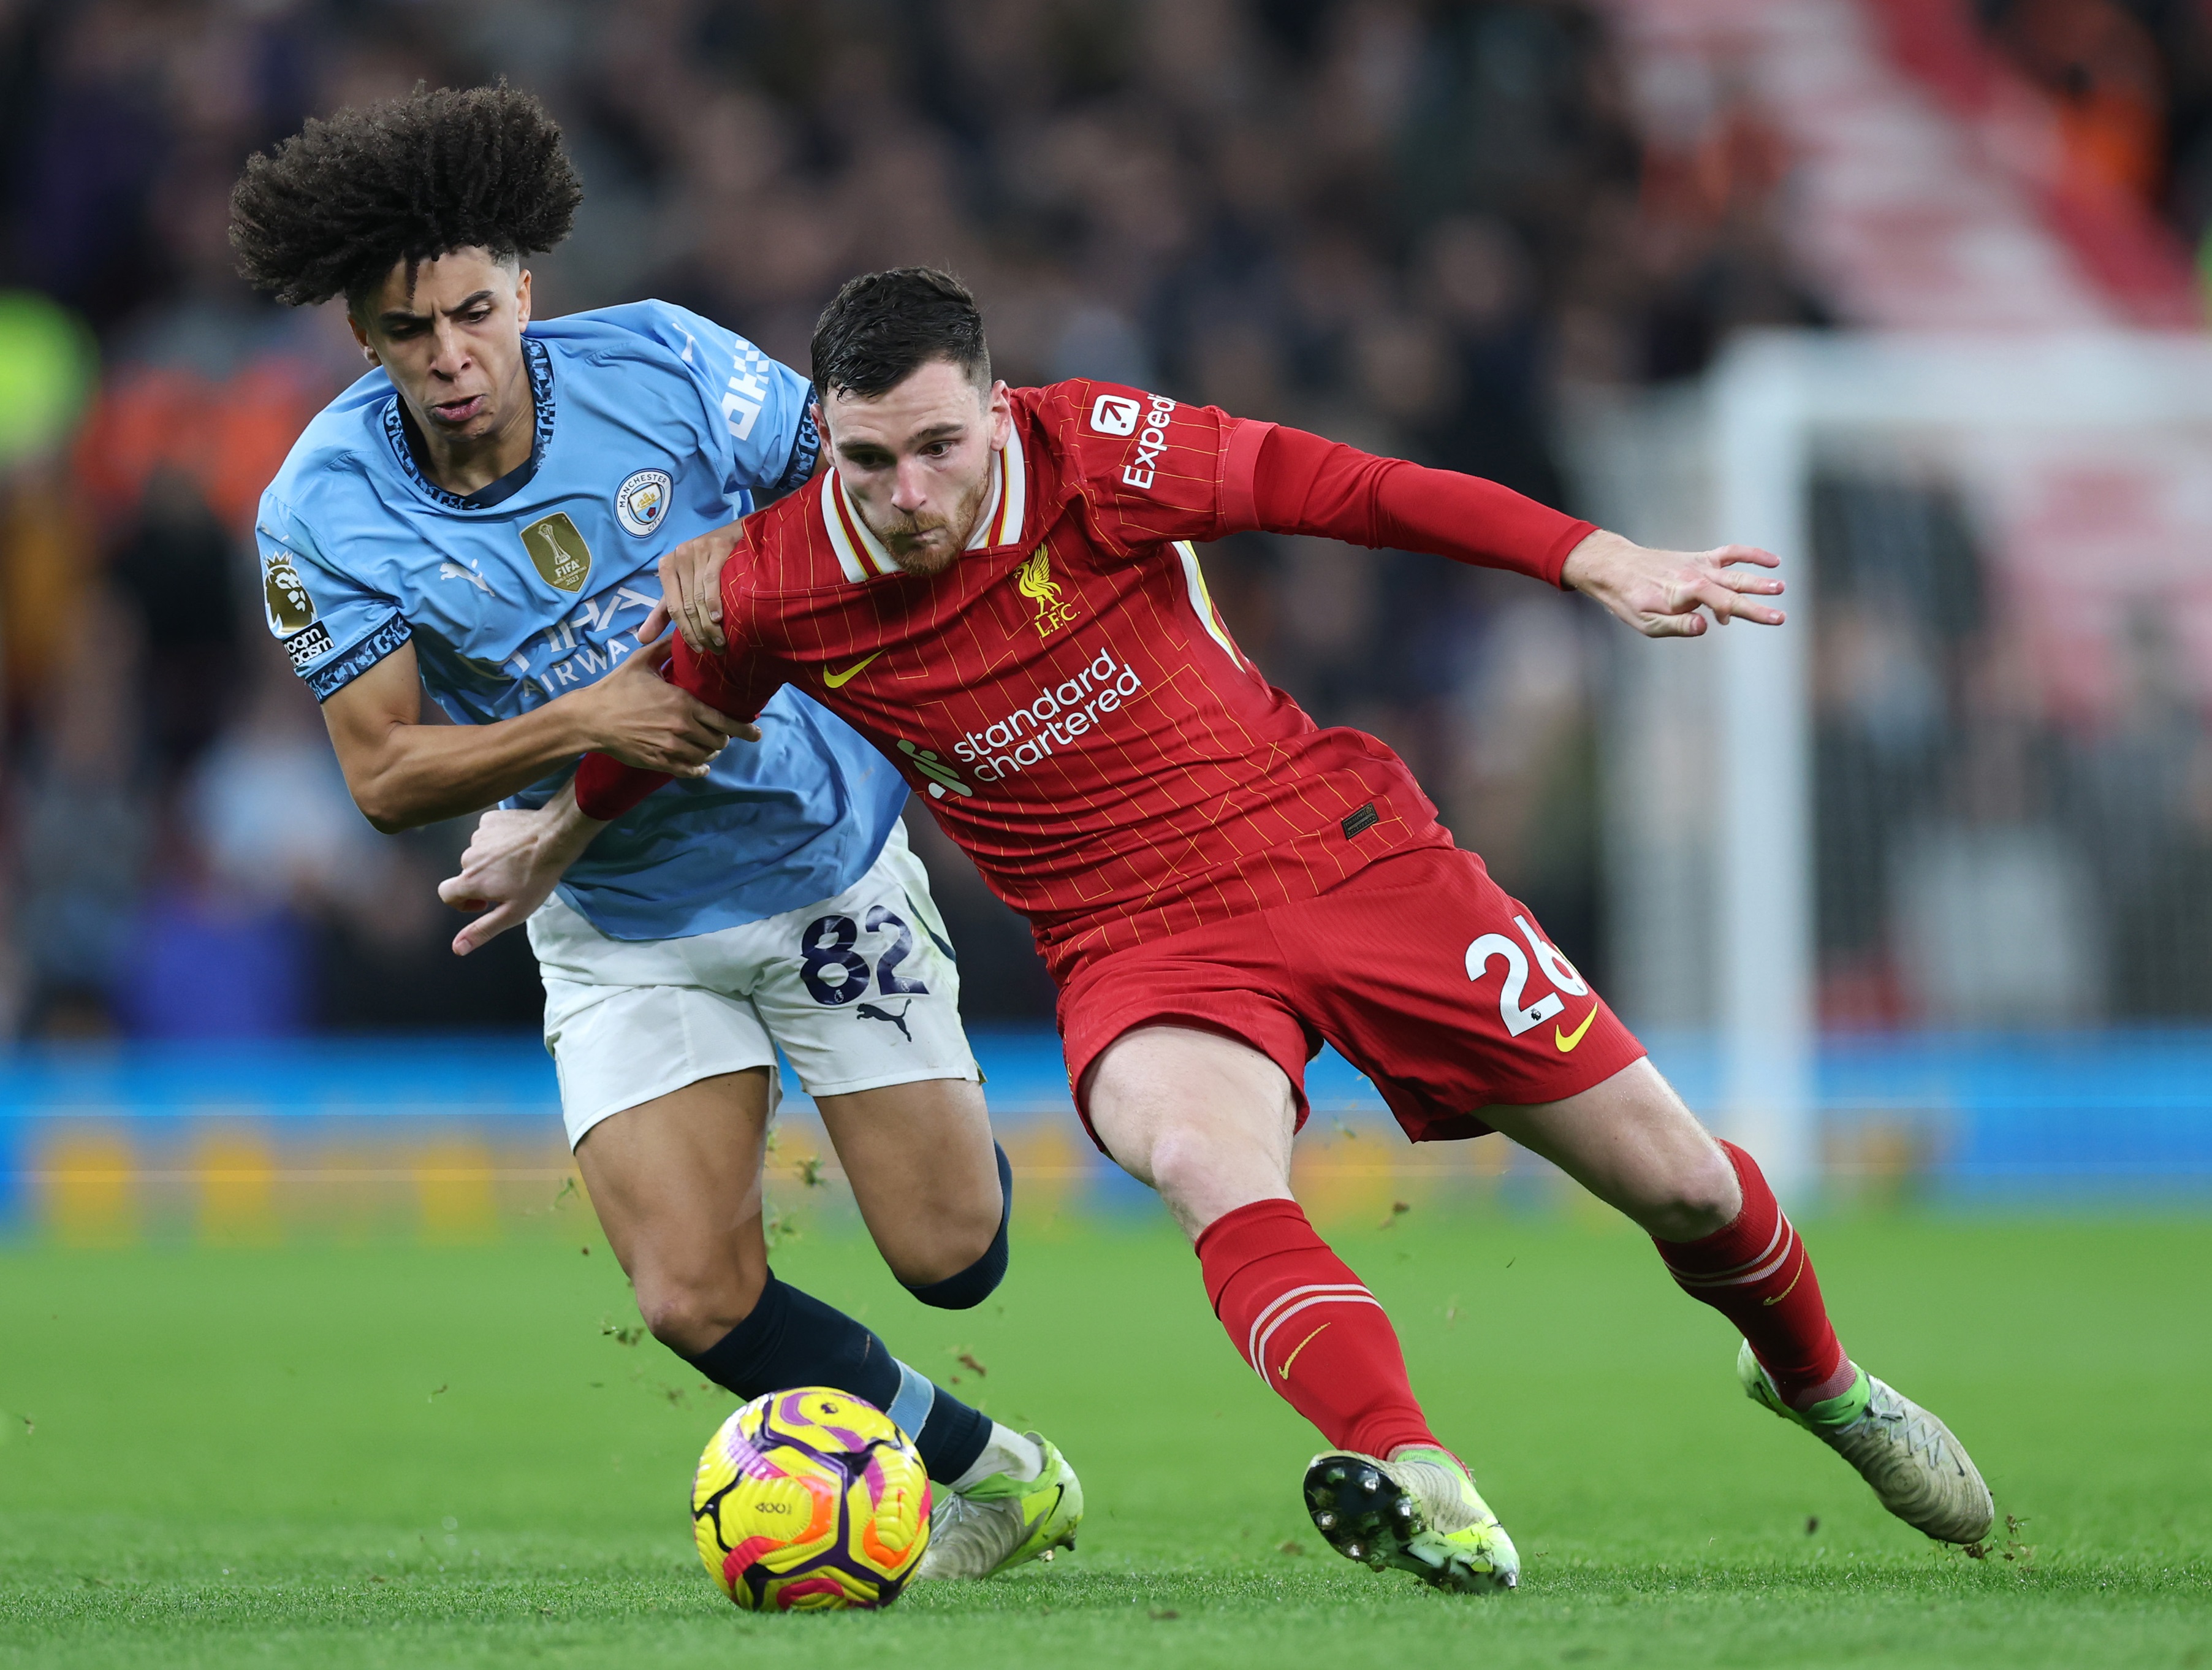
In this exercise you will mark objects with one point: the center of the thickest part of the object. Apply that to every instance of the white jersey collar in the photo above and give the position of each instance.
(861, 555)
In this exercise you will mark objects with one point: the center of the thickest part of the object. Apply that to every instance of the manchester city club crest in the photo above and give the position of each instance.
(642, 500)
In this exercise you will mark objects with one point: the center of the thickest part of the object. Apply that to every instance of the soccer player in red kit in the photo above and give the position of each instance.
(995, 586)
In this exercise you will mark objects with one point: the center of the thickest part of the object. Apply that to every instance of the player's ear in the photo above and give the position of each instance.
(360, 336)
(1002, 410)
(522, 298)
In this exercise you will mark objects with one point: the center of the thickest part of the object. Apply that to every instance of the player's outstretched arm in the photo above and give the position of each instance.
(1303, 484)
(404, 773)
(1667, 594)
(511, 866)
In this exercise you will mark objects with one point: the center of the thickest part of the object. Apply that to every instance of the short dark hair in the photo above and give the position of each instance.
(344, 200)
(884, 326)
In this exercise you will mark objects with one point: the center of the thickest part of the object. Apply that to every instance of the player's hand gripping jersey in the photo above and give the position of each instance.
(652, 425)
(1065, 694)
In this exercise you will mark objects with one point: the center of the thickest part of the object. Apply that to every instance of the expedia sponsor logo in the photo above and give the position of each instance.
(1058, 717)
(1033, 579)
(1114, 414)
(1151, 441)
(641, 500)
(308, 646)
(290, 609)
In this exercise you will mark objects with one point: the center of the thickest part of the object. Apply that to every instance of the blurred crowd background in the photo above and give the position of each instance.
(1438, 229)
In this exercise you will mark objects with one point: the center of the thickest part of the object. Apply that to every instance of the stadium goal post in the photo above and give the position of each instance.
(1718, 889)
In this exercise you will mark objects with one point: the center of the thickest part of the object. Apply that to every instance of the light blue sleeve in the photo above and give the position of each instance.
(332, 626)
(759, 411)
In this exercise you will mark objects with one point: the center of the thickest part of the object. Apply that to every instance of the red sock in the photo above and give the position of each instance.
(1299, 1315)
(1757, 1273)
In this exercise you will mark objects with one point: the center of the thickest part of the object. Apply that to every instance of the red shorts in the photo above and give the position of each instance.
(1420, 971)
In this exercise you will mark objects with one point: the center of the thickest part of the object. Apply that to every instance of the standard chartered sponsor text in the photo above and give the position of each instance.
(1060, 714)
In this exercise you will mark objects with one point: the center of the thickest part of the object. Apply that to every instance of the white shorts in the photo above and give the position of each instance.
(860, 991)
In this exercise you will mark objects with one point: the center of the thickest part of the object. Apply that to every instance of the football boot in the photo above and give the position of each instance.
(1000, 1522)
(1922, 1472)
(1416, 1512)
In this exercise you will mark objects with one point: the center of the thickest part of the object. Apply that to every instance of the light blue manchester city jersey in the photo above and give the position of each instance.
(652, 425)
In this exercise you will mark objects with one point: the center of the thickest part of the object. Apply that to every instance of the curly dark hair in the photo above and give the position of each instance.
(344, 200)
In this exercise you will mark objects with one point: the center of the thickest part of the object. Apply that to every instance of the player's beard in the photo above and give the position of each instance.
(925, 561)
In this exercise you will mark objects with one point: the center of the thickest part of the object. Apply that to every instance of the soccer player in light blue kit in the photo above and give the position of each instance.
(481, 516)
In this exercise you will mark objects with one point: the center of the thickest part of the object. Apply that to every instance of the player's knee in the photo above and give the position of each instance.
(1200, 1173)
(1181, 1165)
(691, 1313)
(984, 1259)
(1700, 1197)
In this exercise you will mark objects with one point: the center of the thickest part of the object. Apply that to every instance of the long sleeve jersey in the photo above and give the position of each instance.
(1066, 696)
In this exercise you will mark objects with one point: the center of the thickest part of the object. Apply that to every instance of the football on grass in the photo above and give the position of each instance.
(810, 1501)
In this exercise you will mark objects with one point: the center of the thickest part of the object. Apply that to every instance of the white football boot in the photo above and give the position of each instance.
(1922, 1472)
(1002, 1521)
(1416, 1512)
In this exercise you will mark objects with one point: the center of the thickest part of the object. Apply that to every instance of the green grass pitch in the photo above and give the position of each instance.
(387, 1454)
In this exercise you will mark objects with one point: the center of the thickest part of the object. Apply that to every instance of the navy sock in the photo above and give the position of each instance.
(966, 1288)
(793, 1338)
(952, 1436)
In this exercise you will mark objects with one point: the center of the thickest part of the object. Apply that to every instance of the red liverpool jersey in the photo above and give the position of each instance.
(1065, 694)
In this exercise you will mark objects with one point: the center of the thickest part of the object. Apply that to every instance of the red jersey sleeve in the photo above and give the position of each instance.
(1302, 484)
(1148, 469)
(735, 682)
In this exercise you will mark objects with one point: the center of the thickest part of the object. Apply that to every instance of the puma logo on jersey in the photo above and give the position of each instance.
(455, 571)
(870, 1012)
(1033, 579)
